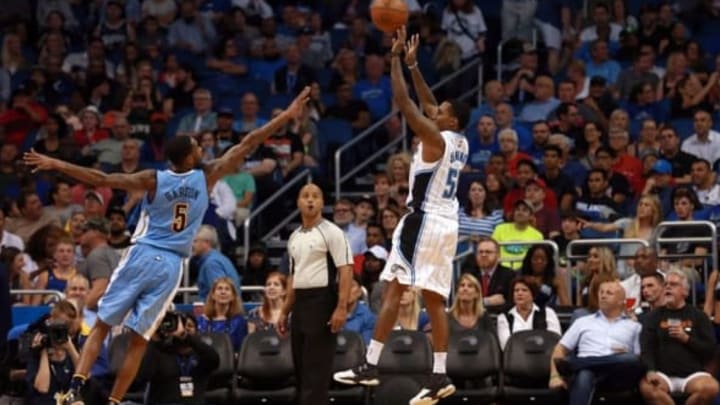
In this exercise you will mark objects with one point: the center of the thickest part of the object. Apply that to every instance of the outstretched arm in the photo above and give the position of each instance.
(143, 181)
(424, 128)
(229, 162)
(427, 100)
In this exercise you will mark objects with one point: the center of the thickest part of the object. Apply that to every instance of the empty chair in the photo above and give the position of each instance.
(265, 369)
(526, 367)
(221, 385)
(406, 360)
(474, 366)
(349, 353)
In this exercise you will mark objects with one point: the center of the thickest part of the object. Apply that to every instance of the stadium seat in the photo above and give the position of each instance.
(332, 133)
(349, 352)
(526, 368)
(684, 127)
(405, 362)
(474, 365)
(272, 102)
(221, 385)
(265, 370)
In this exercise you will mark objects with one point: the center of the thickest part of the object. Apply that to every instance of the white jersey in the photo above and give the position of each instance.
(433, 186)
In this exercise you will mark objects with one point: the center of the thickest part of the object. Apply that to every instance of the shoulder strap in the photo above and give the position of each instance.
(539, 319)
(510, 319)
(466, 31)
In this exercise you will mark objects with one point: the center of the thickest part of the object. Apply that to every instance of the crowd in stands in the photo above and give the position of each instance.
(604, 127)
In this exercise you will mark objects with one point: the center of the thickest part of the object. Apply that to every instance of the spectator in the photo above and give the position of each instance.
(94, 204)
(685, 203)
(390, 218)
(494, 277)
(519, 89)
(363, 211)
(24, 116)
(211, 264)
(677, 342)
(526, 172)
(477, 217)
(599, 266)
(544, 101)
(569, 231)
(465, 25)
(347, 108)
(178, 355)
(242, 185)
(345, 69)
(692, 96)
(255, 10)
(468, 311)
(53, 362)
(546, 219)
(504, 114)
(539, 266)
(294, 76)
(639, 72)
(602, 347)
(643, 104)
(32, 216)
(625, 164)
(398, 171)
(705, 183)
(645, 263)
(359, 319)
(91, 131)
(100, 259)
(517, 20)
(226, 136)
(62, 206)
(249, 119)
(182, 85)
(677, 69)
(493, 95)
(163, 11)
(652, 293)
(266, 316)
(601, 64)
(77, 63)
(202, 118)
(193, 32)
(560, 183)
(109, 151)
(648, 142)
(482, 146)
(525, 314)
(375, 88)
(520, 229)
(373, 261)
(705, 142)
(54, 139)
(680, 160)
(540, 136)
(119, 238)
(228, 60)
(619, 186)
(508, 141)
(12, 260)
(288, 149)
(410, 313)
(56, 277)
(224, 312)
(114, 31)
(381, 193)
(602, 27)
(313, 54)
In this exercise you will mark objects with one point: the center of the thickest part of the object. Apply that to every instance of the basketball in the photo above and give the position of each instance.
(389, 15)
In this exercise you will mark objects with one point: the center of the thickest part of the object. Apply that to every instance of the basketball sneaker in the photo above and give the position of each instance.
(364, 374)
(437, 387)
(71, 397)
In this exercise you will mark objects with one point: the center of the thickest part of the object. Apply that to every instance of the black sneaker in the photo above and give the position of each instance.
(364, 374)
(437, 387)
(71, 397)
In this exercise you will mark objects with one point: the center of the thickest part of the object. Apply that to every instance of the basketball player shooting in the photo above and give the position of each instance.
(425, 240)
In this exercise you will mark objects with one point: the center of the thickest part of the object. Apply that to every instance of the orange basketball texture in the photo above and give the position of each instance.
(389, 15)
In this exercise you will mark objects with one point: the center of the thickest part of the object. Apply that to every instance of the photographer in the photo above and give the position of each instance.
(54, 356)
(177, 364)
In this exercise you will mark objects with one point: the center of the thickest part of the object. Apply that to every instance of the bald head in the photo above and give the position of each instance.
(310, 202)
(611, 298)
(311, 187)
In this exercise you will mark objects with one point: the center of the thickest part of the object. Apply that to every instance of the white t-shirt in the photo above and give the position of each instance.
(157, 9)
(474, 23)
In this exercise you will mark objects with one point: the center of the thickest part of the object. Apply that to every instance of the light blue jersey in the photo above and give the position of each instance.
(171, 220)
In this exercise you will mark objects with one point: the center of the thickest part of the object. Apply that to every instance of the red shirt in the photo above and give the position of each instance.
(84, 138)
(18, 123)
(519, 193)
(630, 167)
(512, 163)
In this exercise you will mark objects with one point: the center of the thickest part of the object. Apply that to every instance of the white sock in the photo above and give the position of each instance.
(439, 360)
(373, 352)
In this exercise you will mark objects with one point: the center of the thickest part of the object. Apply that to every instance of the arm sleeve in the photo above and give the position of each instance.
(571, 338)
(339, 247)
(225, 200)
(553, 323)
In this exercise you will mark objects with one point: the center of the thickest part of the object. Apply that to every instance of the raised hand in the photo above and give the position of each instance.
(399, 40)
(411, 48)
(38, 161)
(295, 108)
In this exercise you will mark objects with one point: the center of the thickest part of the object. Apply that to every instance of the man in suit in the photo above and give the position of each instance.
(494, 278)
(294, 76)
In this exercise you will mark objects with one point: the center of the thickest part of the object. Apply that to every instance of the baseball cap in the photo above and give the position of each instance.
(94, 194)
(378, 252)
(538, 182)
(116, 210)
(524, 202)
(99, 224)
(305, 31)
(662, 166)
(528, 47)
(226, 112)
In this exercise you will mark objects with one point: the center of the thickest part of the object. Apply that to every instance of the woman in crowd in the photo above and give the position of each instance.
(692, 96)
(410, 314)
(648, 215)
(224, 312)
(381, 193)
(525, 314)
(53, 139)
(398, 171)
(345, 69)
(540, 267)
(467, 310)
(600, 265)
(13, 260)
(57, 276)
(594, 139)
(648, 142)
(496, 190)
(477, 218)
(265, 316)
(389, 219)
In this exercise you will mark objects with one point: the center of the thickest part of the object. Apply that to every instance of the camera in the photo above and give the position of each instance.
(169, 324)
(57, 334)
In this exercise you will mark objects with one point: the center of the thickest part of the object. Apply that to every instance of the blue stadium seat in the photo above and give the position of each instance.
(684, 127)
(331, 134)
(323, 77)
(329, 99)
(338, 36)
(272, 102)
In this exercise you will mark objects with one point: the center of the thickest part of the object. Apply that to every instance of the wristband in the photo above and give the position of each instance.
(554, 376)
(413, 66)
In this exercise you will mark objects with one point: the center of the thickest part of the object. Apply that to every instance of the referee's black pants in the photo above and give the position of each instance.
(313, 345)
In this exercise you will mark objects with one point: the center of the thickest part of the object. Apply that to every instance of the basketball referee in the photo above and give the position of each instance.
(320, 279)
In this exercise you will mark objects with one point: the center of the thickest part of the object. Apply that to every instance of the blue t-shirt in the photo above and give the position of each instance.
(378, 96)
(235, 327)
(550, 11)
(479, 154)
